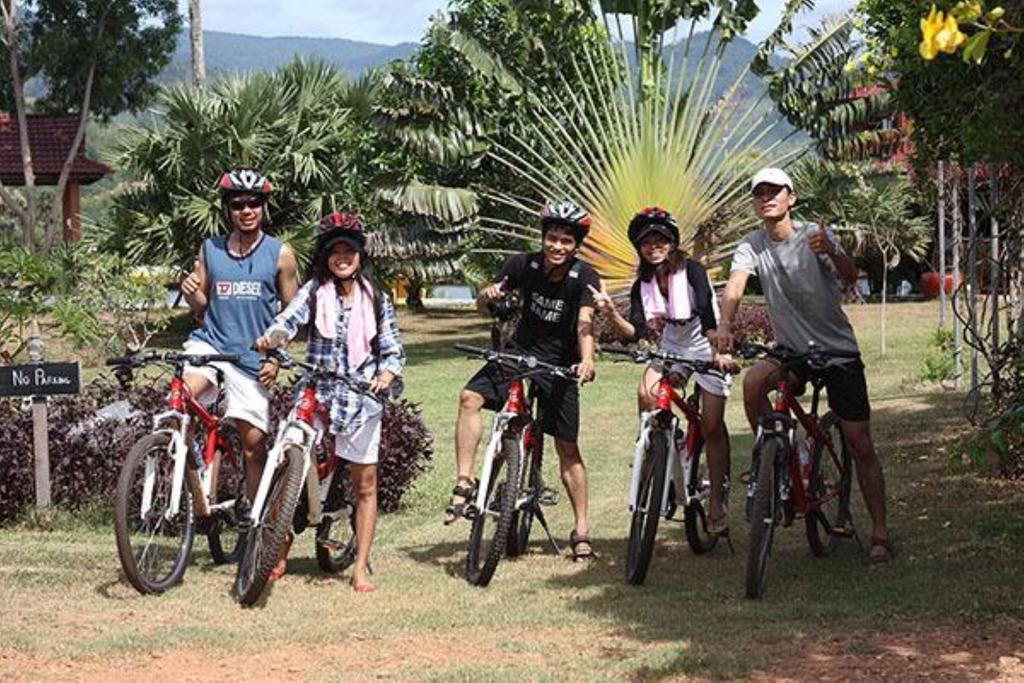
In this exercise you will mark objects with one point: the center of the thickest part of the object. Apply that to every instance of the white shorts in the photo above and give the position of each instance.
(698, 349)
(244, 397)
(361, 446)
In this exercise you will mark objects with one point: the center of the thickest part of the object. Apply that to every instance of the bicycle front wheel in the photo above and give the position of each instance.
(265, 541)
(522, 520)
(764, 514)
(154, 542)
(489, 534)
(647, 508)
(830, 483)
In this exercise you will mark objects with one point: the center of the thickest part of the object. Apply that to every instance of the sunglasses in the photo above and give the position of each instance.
(243, 204)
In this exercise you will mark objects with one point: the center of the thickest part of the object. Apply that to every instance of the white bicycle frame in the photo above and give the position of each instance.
(677, 465)
(177, 449)
(501, 421)
(294, 433)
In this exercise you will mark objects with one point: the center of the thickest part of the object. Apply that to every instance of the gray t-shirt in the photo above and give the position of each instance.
(801, 288)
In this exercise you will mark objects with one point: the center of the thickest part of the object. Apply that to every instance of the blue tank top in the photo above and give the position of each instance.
(243, 298)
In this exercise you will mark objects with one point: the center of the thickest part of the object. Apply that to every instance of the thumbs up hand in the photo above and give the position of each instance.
(820, 242)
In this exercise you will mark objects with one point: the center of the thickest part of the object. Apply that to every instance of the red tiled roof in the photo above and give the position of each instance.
(50, 138)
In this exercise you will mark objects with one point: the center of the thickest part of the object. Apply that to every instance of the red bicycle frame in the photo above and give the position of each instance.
(307, 410)
(667, 396)
(181, 400)
(786, 403)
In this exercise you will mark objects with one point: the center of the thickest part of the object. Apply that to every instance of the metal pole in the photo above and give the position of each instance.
(942, 244)
(972, 268)
(993, 183)
(958, 333)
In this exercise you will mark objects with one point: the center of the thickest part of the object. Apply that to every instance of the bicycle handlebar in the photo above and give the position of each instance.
(526, 362)
(816, 358)
(701, 367)
(140, 359)
(360, 386)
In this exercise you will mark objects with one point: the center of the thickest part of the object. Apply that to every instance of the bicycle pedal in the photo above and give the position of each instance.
(331, 544)
(548, 497)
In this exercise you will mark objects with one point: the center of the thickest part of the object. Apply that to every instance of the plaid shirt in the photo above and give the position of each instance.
(349, 409)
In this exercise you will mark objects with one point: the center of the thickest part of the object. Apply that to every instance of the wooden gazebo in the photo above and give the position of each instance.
(50, 139)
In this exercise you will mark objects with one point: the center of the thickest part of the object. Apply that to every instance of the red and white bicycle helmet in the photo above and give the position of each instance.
(337, 227)
(243, 180)
(566, 213)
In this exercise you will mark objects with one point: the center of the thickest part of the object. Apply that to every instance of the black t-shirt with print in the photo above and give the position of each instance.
(547, 327)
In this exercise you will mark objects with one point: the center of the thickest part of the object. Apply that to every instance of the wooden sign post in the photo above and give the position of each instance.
(39, 380)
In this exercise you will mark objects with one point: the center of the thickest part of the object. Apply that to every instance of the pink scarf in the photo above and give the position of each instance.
(678, 305)
(362, 322)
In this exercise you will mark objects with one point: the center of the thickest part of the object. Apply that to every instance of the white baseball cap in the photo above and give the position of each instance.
(772, 176)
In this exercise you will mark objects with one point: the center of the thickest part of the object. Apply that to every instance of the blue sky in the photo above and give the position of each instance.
(390, 21)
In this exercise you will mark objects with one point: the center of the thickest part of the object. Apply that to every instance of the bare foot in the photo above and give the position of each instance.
(360, 584)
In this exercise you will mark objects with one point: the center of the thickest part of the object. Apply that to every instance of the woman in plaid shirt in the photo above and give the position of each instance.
(352, 327)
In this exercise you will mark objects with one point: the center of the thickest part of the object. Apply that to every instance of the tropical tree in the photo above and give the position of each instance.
(825, 87)
(96, 58)
(295, 125)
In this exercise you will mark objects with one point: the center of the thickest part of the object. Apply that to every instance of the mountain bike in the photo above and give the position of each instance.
(174, 474)
(302, 447)
(506, 504)
(668, 473)
(791, 474)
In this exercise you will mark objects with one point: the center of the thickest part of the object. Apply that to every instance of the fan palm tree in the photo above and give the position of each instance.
(614, 146)
(295, 125)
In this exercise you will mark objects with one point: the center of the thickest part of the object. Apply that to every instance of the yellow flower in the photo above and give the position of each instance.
(950, 37)
(930, 28)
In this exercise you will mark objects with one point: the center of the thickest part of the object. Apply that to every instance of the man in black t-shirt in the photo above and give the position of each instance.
(556, 326)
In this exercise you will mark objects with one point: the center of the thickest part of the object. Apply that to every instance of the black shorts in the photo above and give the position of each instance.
(558, 400)
(847, 388)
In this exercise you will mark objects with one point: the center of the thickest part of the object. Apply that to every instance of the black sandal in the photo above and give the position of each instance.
(455, 511)
(575, 541)
(890, 551)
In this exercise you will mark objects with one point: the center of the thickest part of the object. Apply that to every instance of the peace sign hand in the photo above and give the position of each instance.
(602, 301)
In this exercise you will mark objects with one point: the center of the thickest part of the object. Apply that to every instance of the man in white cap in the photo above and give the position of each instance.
(803, 269)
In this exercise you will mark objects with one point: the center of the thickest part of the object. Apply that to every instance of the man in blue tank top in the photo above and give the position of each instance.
(240, 282)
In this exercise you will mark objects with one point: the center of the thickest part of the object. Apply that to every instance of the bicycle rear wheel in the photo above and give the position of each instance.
(522, 520)
(336, 536)
(647, 508)
(265, 541)
(228, 487)
(831, 478)
(153, 544)
(765, 513)
(488, 536)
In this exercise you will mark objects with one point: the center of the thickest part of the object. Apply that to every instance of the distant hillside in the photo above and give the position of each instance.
(231, 53)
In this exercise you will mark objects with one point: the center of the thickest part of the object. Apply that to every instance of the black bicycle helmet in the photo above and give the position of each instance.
(653, 219)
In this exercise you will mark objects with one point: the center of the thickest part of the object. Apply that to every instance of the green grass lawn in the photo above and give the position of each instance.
(66, 612)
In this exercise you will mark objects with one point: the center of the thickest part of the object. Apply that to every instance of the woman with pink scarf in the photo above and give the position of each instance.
(353, 328)
(673, 295)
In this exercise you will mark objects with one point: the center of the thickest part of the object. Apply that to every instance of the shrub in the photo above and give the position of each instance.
(85, 462)
(752, 324)
(938, 365)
